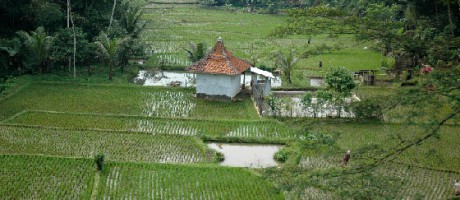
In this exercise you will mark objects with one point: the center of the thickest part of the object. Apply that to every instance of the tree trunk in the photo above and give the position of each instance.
(74, 49)
(110, 70)
(74, 54)
(451, 23)
(69, 65)
(68, 26)
(113, 12)
(288, 76)
(68, 13)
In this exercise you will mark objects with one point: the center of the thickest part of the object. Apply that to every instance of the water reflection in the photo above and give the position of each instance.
(182, 79)
(247, 155)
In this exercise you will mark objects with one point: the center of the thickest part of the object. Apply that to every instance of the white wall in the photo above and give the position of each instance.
(212, 84)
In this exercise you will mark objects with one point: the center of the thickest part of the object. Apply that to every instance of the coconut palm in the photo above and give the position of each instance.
(39, 44)
(196, 51)
(108, 48)
(131, 21)
(286, 62)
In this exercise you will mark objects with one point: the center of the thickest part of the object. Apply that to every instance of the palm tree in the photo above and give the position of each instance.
(108, 48)
(131, 21)
(39, 45)
(13, 51)
(286, 62)
(196, 51)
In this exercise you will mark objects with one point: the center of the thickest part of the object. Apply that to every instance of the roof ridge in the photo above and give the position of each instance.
(220, 61)
(235, 70)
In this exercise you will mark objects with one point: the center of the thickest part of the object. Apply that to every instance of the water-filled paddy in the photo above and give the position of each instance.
(247, 155)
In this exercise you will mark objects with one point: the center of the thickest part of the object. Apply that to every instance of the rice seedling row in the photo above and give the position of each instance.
(322, 162)
(263, 129)
(432, 153)
(116, 146)
(36, 177)
(126, 100)
(419, 182)
(142, 181)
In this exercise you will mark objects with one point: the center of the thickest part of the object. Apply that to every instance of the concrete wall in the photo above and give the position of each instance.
(218, 85)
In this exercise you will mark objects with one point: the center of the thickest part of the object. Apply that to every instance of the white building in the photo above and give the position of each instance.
(218, 74)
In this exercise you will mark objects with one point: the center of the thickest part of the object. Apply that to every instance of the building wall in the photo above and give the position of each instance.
(218, 85)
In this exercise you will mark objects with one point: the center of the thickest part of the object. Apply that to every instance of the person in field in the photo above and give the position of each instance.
(346, 158)
(457, 188)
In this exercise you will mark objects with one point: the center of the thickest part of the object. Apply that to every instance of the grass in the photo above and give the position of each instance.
(154, 181)
(35, 177)
(133, 147)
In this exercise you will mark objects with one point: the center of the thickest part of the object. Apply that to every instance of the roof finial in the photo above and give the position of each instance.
(219, 39)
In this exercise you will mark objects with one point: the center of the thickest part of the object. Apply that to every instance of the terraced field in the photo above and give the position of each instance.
(153, 137)
(419, 182)
(122, 100)
(171, 27)
(119, 146)
(129, 124)
(36, 177)
(250, 129)
(432, 154)
(138, 181)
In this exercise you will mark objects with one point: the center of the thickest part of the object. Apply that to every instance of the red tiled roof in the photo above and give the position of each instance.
(220, 61)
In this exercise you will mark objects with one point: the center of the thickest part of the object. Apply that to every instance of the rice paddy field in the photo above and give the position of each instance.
(154, 138)
(172, 26)
(54, 138)
(154, 142)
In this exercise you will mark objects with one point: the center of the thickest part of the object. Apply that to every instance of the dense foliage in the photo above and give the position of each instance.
(44, 36)
(411, 31)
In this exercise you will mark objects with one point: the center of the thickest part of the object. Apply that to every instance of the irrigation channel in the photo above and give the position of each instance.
(247, 155)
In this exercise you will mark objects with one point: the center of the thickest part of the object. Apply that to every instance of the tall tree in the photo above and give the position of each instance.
(340, 84)
(39, 45)
(109, 49)
(286, 62)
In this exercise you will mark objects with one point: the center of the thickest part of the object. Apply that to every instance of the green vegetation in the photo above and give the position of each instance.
(125, 180)
(117, 146)
(238, 130)
(123, 100)
(36, 177)
(174, 26)
(66, 132)
(383, 137)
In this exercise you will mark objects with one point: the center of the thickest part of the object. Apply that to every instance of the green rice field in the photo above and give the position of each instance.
(171, 27)
(123, 100)
(154, 138)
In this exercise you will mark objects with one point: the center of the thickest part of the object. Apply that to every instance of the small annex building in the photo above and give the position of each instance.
(218, 74)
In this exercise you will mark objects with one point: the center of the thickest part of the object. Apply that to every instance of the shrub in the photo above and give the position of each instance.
(99, 160)
(368, 109)
(281, 156)
(219, 156)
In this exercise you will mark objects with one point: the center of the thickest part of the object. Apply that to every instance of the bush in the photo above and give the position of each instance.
(218, 156)
(281, 156)
(99, 160)
(368, 109)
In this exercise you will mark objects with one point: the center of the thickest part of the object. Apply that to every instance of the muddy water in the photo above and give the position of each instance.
(247, 155)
